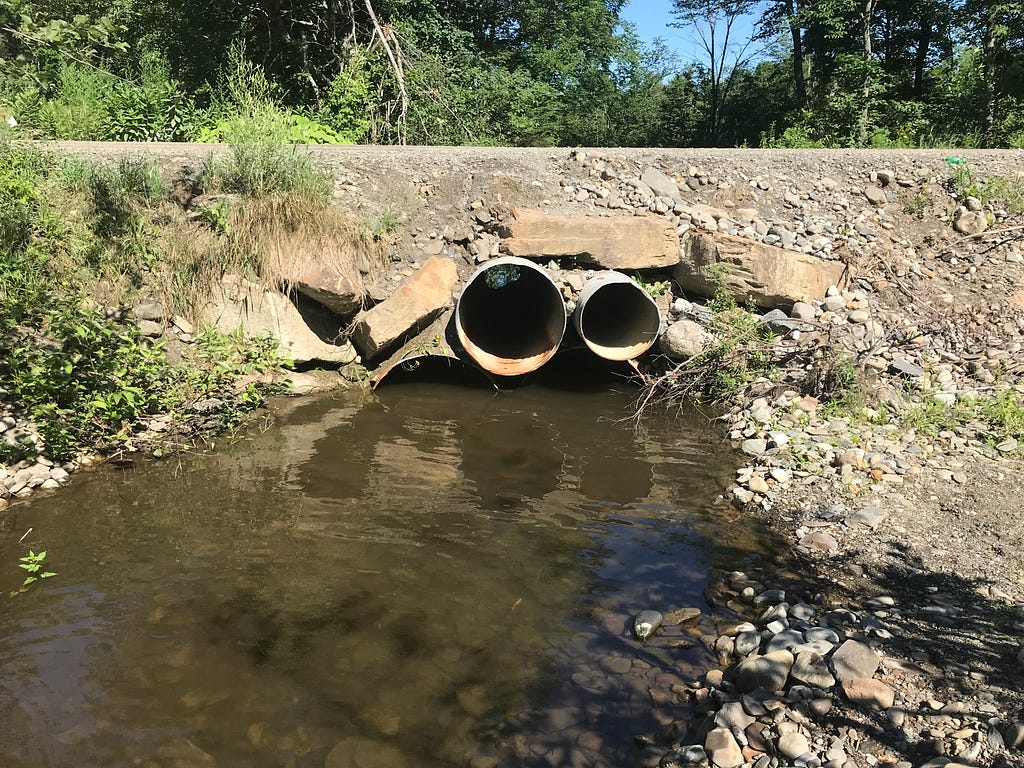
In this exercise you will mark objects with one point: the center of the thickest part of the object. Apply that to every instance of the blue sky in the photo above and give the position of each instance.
(652, 19)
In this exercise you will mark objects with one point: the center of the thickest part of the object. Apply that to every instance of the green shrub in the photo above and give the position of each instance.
(83, 381)
(78, 111)
(345, 108)
(23, 224)
(152, 109)
(794, 137)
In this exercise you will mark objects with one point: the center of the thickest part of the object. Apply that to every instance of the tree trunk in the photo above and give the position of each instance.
(865, 115)
(988, 75)
(799, 83)
(715, 78)
(924, 40)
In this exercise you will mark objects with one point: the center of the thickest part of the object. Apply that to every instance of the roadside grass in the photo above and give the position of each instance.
(1005, 191)
(998, 416)
(270, 240)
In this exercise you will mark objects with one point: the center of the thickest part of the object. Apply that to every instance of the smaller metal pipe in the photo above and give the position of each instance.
(615, 317)
(510, 317)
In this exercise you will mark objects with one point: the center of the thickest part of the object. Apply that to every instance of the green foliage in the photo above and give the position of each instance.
(1000, 417)
(258, 167)
(525, 72)
(33, 564)
(288, 128)
(994, 191)
(154, 108)
(233, 363)
(834, 380)
(263, 159)
(78, 109)
(740, 352)
(42, 43)
(387, 224)
(794, 137)
(91, 104)
(345, 108)
(917, 205)
(30, 239)
(654, 288)
(83, 380)
(87, 382)
(1005, 413)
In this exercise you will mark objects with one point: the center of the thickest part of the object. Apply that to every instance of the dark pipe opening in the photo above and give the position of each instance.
(512, 312)
(620, 315)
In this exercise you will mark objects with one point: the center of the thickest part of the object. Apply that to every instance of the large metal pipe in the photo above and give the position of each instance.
(510, 317)
(615, 317)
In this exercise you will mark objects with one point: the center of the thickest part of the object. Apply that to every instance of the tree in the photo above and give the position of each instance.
(1000, 25)
(715, 22)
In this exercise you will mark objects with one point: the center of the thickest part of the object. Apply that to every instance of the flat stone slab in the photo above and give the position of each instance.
(259, 311)
(613, 242)
(768, 276)
(326, 285)
(416, 304)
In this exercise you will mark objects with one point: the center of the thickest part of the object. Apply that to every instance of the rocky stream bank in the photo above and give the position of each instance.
(888, 628)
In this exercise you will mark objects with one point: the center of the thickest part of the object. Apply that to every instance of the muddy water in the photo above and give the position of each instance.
(441, 577)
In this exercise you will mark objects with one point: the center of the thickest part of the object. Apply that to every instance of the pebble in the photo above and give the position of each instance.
(1013, 736)
(870, 517)
(793, 745)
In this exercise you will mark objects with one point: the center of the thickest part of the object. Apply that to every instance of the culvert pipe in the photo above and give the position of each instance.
(510, 316)
(616, 318)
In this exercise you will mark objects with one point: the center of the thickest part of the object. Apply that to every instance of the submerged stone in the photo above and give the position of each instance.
(646, 623)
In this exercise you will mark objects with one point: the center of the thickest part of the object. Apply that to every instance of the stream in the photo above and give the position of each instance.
(439, 576)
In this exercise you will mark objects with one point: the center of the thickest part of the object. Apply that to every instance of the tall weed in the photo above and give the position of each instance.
(78, 111)
(262, 160)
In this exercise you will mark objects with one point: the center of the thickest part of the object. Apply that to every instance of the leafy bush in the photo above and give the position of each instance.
(90, 104)
(78, 110)
(84, 381)
(153, 109)
(28, 240)
(345, 108)
(797, 136)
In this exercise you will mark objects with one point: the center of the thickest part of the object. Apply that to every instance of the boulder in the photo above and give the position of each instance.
(614, 242)
(769, 277)
(873, 694)
(326, 285)
(768, 672)
(812, 670)
(261, 312)
(854, 660)
(659, 183)
(684, 339)
(416, 303)
(875, 196)
(722, 749)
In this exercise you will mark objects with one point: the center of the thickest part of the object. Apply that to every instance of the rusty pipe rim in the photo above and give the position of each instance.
(510, 316)
(615, 317)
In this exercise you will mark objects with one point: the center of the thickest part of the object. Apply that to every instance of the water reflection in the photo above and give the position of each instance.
(438, 577)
